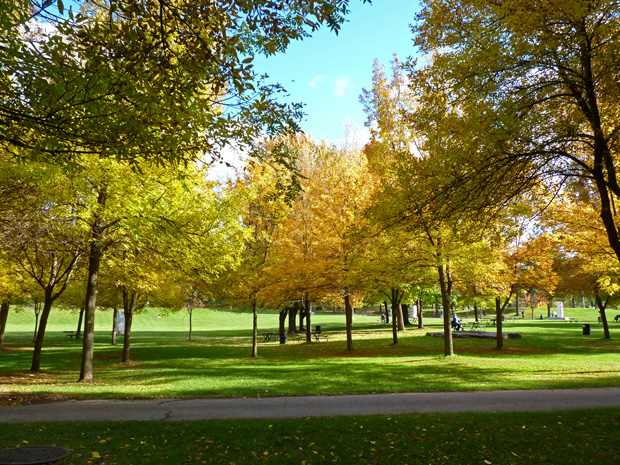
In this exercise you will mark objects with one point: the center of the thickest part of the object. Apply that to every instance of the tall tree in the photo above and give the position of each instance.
(518, 93)
(250, 282)
(44, 242)
(317, 248)
(584, 262)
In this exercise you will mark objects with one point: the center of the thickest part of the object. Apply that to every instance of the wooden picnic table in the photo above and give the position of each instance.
(270, 337)
(317, 335)
(70, 334)
(475, 326)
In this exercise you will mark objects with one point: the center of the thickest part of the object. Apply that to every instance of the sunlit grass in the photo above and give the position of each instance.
(217, 362)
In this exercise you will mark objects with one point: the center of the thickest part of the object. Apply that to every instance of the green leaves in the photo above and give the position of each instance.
(133, 81)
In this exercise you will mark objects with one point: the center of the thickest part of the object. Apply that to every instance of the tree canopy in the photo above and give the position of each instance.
(165, 81)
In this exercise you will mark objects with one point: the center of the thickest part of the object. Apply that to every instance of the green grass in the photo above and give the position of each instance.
(217, 363)
(572, 437)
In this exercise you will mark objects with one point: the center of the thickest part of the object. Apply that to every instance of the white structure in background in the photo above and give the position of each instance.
(120, 323)
(559, 314)
(414, 311)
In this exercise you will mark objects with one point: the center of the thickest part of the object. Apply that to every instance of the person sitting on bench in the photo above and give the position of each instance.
(456, 323)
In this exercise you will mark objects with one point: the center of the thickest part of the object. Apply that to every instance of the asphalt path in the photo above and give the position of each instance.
(312, 406)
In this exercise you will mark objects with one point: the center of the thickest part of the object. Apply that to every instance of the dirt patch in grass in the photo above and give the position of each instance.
(15, 350)
(29, 399)
(31, 378)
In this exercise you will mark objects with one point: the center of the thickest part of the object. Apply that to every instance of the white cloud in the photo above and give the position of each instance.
(343, 84)
(316, 80)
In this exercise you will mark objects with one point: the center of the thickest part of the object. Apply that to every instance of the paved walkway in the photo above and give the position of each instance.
(312, 406)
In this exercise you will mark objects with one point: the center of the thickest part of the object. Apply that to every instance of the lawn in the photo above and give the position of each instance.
(570, 437)
(217, 362)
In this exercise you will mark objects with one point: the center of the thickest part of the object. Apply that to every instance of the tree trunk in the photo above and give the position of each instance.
(404, 309)
(114, 323)
(282, 320)
(78, 333)
(254, 329)
(445, 284)
(499, 313)
(129, 305)
(420, 316)
(308, 319)
(517, 303)
(37, 311)
(394, 330)
(387, 312)
(476, 312)
(40, 335)
(92, 287)
(397, 314)
(190, 311)
(292, 318)
(302, 315)
(602, 307)
(348, 311)
(4, 314)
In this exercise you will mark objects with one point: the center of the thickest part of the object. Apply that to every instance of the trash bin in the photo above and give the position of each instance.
(586, 330)
(318, 328)
(283, 337)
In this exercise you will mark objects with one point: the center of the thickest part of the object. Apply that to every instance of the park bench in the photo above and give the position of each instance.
(69, 334)
(617, 318)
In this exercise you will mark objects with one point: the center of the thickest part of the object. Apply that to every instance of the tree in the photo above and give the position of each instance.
(11, 285)
(154, 226)
(133, 79)
(584, 260)
(524, 93)
(409, 171)
(42, 241)
(249, 282)
(316, 248)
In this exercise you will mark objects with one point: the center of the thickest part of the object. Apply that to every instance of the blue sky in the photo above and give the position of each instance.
(328, 72)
